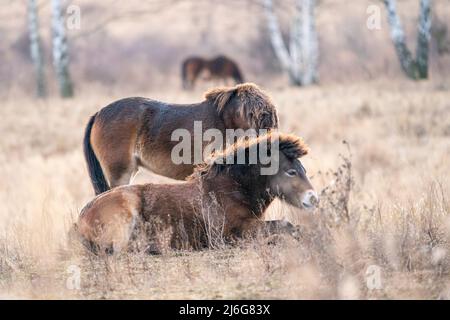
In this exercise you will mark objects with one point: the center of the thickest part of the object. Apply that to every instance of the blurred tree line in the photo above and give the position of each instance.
(297, 53)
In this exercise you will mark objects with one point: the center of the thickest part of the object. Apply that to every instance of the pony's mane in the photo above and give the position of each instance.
(249, 93)
(290, 145)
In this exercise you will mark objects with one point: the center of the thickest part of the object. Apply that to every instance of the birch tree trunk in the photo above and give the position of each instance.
(276, 37)
(295, 49)
(36, 48)
(300, 62)
(60, 50)
(414, 68)
(309, 42)
(423, 38)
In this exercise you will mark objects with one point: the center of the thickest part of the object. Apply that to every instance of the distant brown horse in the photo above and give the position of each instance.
(136, 132)
(223, 197)
(219, 67)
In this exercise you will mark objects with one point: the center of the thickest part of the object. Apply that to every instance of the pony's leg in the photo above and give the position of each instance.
(117, 232)
(120, 172)
(133, 175)
(123, 237)
(271, 229)
(192, 82)
(278, 227)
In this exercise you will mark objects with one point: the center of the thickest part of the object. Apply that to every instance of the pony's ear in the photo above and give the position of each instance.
(292, 146)
(220, 97)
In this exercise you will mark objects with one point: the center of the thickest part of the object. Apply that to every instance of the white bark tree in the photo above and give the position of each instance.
(36, 48)
(300, 61)
(415, 68)
(60, 50)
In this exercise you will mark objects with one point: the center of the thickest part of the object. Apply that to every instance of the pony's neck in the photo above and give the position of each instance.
(255, 198)
(260, 199)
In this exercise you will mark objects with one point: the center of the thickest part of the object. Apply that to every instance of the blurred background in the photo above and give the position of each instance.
(140, 45)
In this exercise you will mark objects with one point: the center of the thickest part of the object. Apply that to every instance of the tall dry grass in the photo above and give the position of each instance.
(384, 203)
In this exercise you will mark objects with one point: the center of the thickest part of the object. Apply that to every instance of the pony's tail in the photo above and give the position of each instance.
(95, 170)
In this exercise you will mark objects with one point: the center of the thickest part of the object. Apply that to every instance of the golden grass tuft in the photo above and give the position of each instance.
(384, 204)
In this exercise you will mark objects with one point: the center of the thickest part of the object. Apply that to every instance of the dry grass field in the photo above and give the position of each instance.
(384, 203)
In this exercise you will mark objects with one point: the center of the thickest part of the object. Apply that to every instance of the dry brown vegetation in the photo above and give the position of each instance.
(384, 202)
(384, 192)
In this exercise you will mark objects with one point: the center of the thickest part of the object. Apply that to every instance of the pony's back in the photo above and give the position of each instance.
(223, 67)
(190, 69)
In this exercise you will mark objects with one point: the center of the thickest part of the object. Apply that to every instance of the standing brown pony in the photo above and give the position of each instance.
(219, 67)
(220, 199)
(136, 132)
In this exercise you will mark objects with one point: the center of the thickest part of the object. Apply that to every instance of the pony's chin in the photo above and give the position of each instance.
(307, 206)
(300, 204)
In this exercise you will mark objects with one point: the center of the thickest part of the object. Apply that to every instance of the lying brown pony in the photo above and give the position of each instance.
(231, 198)
(135, 132)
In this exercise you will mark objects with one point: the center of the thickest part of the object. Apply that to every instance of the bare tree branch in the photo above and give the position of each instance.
(414, 68)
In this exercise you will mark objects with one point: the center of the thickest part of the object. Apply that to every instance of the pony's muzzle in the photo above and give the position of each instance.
(310, 199)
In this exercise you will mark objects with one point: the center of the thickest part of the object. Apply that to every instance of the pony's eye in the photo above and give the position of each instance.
(291, 172)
